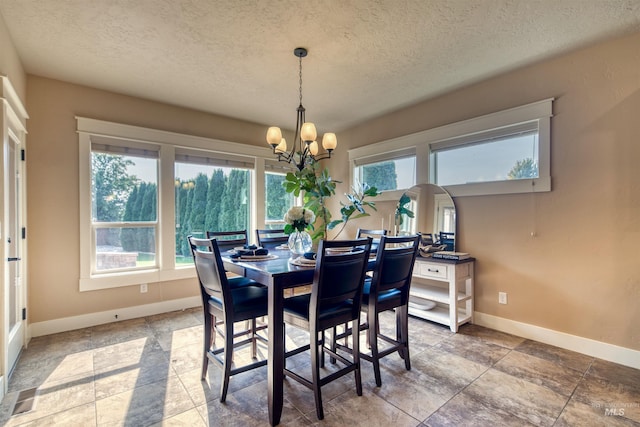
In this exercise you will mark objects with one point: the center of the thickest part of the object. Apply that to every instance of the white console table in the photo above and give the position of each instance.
(448, 284)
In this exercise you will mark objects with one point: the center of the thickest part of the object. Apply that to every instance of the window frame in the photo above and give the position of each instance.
(168, 142)
(115, 147)
(425, 142)
(380, 158)
(377, 153)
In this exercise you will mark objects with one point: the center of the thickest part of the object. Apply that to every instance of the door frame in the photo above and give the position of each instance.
(13, 117)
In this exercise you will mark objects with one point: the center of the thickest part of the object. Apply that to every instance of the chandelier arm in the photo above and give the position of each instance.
(322, 156)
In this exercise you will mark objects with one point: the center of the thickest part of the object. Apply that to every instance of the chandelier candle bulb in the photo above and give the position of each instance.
(282, 146)
(313, 148)
(329, 141)
(308, 132)
(274, 136)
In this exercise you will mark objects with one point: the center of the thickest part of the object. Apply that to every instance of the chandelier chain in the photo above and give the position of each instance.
(300, 76)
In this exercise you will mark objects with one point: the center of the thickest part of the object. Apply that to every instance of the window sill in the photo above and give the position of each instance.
(117, 280)
(521, 186)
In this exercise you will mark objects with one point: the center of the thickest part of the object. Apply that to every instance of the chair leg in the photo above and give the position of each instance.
(402, 316)
(227, 361)
(355, 337)
(334, 333)
(254, 341)
(322, 349)
(209, 339)
(315, 371)
(372, 319)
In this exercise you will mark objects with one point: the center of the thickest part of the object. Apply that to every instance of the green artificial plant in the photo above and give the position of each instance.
(402, 210)
(356, 205)
(317, 186)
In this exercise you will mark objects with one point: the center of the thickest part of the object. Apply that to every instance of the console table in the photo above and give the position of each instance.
(448, 284)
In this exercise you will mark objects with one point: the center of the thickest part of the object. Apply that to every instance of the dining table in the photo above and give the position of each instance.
(278, 274)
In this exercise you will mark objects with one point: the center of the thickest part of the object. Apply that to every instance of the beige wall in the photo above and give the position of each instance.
(52, 198)
(10, 64)
(581, 273)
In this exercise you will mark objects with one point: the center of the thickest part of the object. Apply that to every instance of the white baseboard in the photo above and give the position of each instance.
(92, 319)
(613, 353)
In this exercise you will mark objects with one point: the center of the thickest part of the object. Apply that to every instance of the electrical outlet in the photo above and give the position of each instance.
(502, 297)
(143, 288)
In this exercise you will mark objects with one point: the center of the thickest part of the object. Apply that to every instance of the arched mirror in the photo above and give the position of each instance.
(435, 214)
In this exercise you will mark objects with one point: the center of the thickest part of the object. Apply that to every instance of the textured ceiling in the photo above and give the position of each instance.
(235, 58)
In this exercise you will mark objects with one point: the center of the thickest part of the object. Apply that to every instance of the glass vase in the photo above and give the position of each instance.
(300, 242)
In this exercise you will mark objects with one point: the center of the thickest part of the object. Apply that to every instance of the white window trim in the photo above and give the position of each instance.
(540, 111)
(168, 142)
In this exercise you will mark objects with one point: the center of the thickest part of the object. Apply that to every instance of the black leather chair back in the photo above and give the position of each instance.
(210, 270)
(394, 267)
(336, 292)
(270, 238)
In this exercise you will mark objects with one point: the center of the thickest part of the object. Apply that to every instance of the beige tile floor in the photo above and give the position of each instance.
(146, 372)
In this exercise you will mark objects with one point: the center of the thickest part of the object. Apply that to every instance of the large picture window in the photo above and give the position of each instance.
(142, 191)
(124, 206)
(211, 194)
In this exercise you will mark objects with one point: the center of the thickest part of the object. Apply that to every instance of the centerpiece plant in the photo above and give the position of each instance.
(317, 187)
(297, 220)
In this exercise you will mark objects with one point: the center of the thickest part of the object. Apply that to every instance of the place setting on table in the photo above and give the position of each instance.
(308, 259)
(251, 253)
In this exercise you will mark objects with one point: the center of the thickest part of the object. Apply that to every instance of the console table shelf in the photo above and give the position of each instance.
(447, 283)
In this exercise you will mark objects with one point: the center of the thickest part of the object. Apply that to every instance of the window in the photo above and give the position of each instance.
(142, 191)
(390, 171)
(500, 153)
(212, 193)
(124, 195)
(495, 155)
(386, 175)
(277, 201)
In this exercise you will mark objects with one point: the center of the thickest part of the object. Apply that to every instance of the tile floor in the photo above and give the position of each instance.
(146, 372)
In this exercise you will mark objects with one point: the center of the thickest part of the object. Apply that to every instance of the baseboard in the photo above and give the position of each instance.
(2, 386)
(93, 319)
(613, 353)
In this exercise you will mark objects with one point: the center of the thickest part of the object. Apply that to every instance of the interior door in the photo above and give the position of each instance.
(14, 291)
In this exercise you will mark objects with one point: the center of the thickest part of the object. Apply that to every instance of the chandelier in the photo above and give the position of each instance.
(305, 146)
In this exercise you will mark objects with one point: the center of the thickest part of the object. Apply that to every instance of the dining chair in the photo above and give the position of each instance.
(374, 234)
(335, 299)
(426, 239)
(363, 232)
(229, 239)
(387, 289)
(270, 238)
(231, 305)
(448, 239)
